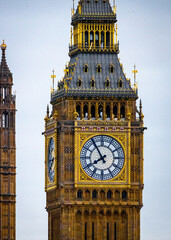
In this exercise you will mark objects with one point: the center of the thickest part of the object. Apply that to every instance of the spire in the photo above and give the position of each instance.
(4, 69)
(114, 6)
(140, 110)
(47, 111)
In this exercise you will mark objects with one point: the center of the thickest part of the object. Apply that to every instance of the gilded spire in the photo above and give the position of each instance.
(4, 69)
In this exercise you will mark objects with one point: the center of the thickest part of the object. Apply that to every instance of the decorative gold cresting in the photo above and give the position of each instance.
(53, 79)
(3, 45)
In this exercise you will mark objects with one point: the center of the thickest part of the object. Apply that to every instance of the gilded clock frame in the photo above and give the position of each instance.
(81, 178)
(50, 133)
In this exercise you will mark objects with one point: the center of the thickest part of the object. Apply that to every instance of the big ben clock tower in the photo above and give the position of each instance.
(94, 137)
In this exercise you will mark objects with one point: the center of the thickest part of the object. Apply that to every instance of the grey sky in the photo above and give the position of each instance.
(37, 33)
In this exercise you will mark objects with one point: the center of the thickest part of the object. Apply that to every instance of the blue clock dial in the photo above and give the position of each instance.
(102, 157)
(51, 160)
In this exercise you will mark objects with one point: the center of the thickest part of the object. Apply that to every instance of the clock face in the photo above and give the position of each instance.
(51, 160)
(102, 157)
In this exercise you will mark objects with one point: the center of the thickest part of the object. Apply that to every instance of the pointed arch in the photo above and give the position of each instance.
(115, 110)
(120, 83)
(122, 111)
(5, 119)
(108, 111)
(79, 82)
(86, 38)
(124, 195)
(79, 194)
(94, 194)
(102, 40)
(85, 111)
(97, 38)
(109, 194)
(78, 110)
(93, 111)
(107, 39)
(100, 111)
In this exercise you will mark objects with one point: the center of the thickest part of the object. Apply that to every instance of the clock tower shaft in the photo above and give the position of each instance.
(7, 153)
(97, 129)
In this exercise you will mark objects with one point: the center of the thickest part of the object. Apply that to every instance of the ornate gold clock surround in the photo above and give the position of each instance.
(82, 134)
(51, 132)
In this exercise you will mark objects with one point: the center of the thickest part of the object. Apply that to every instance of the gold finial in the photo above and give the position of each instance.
(53, 79)
(114, 6)
(72, 10)
(135, 72)
(3, 45)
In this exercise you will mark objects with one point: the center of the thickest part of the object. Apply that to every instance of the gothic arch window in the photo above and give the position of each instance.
(87, 194)
(107, 83)
(85, 111)
(94, 194)
(79, 194)
(108, 112)
(11, 119)
(97, 39)
(117, 195)
(79, 82)
(99, 68)
(102, 194)
(120, 83)
(124, 195)
(86, 68)
(92, 83)
(115, 111)
(100, 111)
(93, 111)
(78, 110)
(109, 194)
(107, 39)
(102, 40)
(91, 38)
(5, 120)
(86, 38)
(112, 68)
(123, 111)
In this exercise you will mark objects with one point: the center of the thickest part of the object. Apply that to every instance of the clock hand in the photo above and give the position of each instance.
(51, 163)
(96, 161)
(97, 149)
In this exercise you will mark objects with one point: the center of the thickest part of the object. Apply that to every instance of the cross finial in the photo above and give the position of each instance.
(53, 78)
(135, 72)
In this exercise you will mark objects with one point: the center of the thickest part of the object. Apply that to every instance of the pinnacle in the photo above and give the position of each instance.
(4, 69)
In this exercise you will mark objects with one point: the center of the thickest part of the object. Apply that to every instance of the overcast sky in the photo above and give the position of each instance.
(37, 33)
